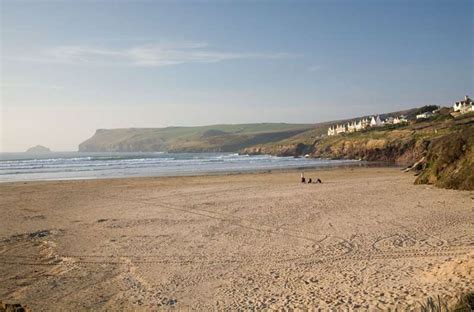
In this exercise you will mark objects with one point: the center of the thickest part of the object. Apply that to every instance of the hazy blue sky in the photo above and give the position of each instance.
(69, 67)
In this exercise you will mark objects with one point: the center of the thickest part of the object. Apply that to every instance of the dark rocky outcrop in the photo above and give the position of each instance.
(295, 150)
(13, 307)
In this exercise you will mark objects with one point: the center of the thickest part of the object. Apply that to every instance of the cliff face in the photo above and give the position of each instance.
(403, 150)
(442, 149)
(399, 147)
(285, 150)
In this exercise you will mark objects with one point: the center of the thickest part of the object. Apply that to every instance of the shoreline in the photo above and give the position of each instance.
(349, 164)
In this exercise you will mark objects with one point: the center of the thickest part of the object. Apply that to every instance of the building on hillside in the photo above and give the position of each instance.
(340, 129)
(332, 130)
(365, 123)
(464, 106)
(395, 121)
(351, 127)
(424, 115)
(389, 121)
(376, 122)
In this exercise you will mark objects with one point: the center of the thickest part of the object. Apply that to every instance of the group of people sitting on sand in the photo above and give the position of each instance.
(303, 179)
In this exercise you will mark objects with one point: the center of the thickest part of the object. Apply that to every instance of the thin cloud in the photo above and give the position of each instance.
(22, 85)
(151, 55)
(314, 68)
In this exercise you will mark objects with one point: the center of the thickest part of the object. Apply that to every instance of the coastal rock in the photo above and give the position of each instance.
(401, 151)
(287, 150)
(38, 149)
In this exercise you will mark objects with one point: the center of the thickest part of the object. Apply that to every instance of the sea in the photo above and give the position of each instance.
(78, 165)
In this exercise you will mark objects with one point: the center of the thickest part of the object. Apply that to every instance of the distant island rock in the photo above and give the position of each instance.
(38, 149)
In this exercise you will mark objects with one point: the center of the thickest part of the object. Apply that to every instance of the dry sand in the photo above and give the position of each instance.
(365, 238)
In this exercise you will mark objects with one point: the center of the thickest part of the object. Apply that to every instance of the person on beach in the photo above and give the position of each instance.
(319, 181)
(303, 180)
(310, 181)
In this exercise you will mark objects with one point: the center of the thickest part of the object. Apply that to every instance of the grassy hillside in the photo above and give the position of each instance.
(449, 161)
(223, 138)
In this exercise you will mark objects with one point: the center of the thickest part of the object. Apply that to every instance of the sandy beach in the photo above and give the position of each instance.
(366, 238)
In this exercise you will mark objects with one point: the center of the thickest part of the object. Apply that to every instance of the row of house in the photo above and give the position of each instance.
(461, 107)
(465, 106)
(364, 123)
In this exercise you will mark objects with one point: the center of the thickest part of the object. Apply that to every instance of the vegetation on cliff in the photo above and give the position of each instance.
(449, 161)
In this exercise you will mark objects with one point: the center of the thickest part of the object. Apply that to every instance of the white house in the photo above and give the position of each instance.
(400, 119)
(376, 122)
(340, 129)
(365, 123)
(424, 115)
(465, 106)
(351, 127)
(332, 130)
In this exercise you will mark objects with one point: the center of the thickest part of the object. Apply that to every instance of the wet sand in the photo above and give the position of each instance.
(366, 238)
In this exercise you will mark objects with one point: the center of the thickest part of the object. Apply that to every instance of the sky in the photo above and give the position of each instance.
(71, 67)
